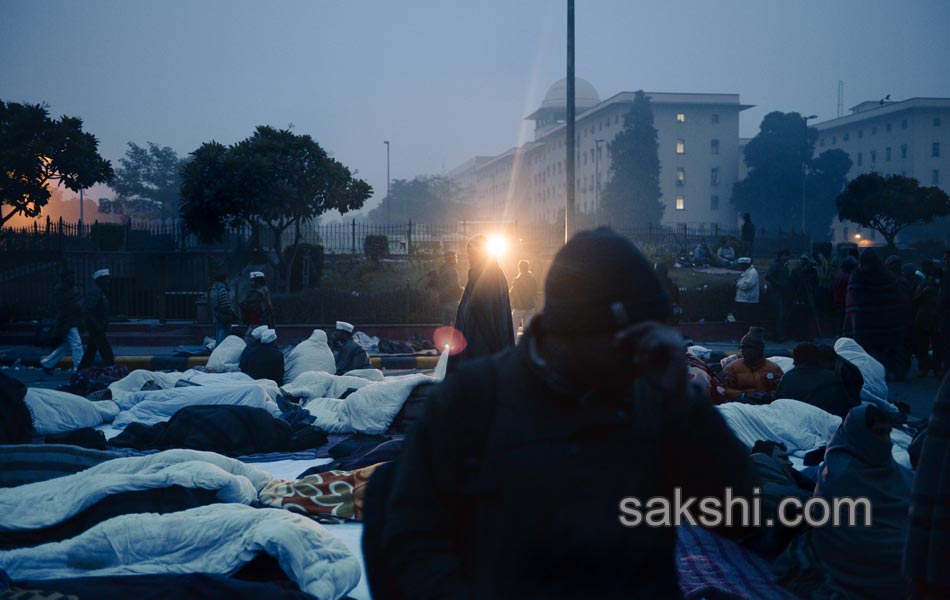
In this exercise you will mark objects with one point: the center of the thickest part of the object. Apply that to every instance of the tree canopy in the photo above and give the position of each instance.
(273, 180)
(36, 150)
(890, 204)
(780, 163)
(423, 199)
(147, 183)
(632, 194)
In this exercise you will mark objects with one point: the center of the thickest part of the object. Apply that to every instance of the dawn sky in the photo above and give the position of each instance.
(443, 80)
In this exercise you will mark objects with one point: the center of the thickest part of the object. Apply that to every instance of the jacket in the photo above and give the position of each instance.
(533, 512)
(66, 303)
(739, 378)
(484, 314)
(263, 361)
(747, 287)
(257, 308)
(524, 292)
(95, 309)
(220, 300)
(779, 278)
(820, 387)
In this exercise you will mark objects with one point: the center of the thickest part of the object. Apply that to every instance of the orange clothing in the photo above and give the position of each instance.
(739, 377)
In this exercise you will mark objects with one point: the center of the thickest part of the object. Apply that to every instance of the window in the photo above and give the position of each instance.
(903, 150)
(936, 121)
(714, 202)
(935, 150)
(681, 146)
(887, 153)
(873, 156)
(874, 131)
(616, 119)
(935, 177)
(904, 124)
(714, 146)
(860, 158)
(887, 128)
(680, 117)
(821, 142)
(680, 176)
(585, 158)
(714, 176)
(715, 119)
(680, 203)
(860, 133)
(846, 137)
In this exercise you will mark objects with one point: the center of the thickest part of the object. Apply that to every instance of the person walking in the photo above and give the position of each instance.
(66, 302)
(484, 313)
(747, 290)
(448, 288)
(95, 311)
(256, 308)
(524, 296)
(748, 236)
(780, 291)
(221, 309)
(925, 334)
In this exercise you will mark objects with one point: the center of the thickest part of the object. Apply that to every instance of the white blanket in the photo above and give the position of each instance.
(55, 412)
(134, 381)
(217, 539)
(159, 405)
(875, 385)
(312, 354)
(318, 384)
(226, 356)
(370, 409)
(45, 503)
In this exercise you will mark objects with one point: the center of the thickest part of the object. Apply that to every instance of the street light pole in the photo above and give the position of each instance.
(597, 144)
(388, 201)
(571, 180)
(804, 162)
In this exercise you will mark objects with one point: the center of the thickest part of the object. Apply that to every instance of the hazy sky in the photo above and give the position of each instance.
(443, 79)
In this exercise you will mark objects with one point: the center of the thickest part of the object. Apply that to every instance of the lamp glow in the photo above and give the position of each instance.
(497, 246)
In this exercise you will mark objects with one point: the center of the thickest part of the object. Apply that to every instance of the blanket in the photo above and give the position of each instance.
(216, 539)
(55, 412)
(227, 354)
(45, 503)
(317, 384)
(136, 380)
(312, 354)
(156, 406)
(875, 385)
(88, 381)
(29, 463)
(370, 409)
(336, 493)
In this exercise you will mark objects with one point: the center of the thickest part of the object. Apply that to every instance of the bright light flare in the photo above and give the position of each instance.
(497, 245)
(450, 338)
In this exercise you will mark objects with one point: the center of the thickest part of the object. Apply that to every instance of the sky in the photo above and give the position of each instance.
(443, 80)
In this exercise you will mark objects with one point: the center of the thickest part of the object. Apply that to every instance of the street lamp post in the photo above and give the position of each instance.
(597, 144)
(571, 178)
(388, 201)
(804, 162)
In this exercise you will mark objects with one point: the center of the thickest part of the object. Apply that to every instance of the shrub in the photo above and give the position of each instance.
(376, 246)
(107, 236)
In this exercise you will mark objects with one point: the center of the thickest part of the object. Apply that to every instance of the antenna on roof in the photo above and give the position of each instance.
(840, 98)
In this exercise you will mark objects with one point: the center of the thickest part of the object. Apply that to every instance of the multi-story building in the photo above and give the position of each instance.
(910, 137)
(698, 137)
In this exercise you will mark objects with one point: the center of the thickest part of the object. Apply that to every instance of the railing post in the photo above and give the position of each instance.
(409, 239)
(353, 226)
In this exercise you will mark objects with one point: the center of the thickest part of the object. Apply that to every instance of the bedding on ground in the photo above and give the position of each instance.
(156, 406)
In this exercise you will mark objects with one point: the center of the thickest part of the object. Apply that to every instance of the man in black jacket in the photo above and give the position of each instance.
(484, 313)
(66, 300)
(95, 310)
(512, 482)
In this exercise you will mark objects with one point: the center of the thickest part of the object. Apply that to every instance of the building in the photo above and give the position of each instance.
(910, 137)
(698, 138)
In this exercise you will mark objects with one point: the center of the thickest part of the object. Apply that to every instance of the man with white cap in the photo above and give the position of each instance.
(263, 360)
(95, 311)
(256, 308)
(348, 354)
(747, 290)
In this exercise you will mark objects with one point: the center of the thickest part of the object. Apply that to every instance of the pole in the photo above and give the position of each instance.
(597, 174)
(388, 202)
(80, 206)
(571, 180)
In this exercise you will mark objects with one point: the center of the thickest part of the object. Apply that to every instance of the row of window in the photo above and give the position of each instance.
(934, 152)
(936, 122)
(681, 202)
(681, 118)
(681, 176)
(713, 146)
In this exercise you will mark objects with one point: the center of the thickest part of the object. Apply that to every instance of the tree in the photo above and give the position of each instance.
(780, 163)
(36, 150)
(889, 204)
(632, 194)
(274, 180)
(147, 183)
(423, 199)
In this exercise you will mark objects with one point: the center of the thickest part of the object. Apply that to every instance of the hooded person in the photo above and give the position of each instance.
(812, 383)
(348, 354)
(874, 315)
(264, 360)
(484, 313)
(862, 561)
(256, 307)
(95, 311)
(751, 378)
(592, 406)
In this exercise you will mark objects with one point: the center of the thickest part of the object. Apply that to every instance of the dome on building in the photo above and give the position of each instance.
(585, 96)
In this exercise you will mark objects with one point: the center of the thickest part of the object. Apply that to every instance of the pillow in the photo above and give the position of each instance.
(312, 354)
(60, 412)
(227, 355)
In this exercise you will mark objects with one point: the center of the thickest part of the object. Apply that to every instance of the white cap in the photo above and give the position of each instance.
(745, 260)
(344, 326)
(258, 332)
(101, 273)
(256, 274)
(269, 337)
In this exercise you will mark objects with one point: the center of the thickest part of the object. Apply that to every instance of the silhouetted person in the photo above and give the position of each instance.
(222, 312)
(346, 352)
(484, 313)
(873, 316)
(95, 311)
(839, 289)
(663, 272)
(810, 382)
(747, 290)
(748, 236)
(264, 360)
(926, 335)
(904, 353)
(448, 288)
(256, 308)
(66, 303)
(804, 285)
(524, 296)
(780, 292)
